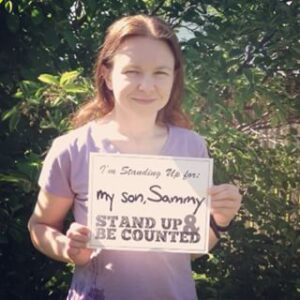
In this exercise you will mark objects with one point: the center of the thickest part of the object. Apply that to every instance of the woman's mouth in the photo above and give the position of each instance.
(144, 100)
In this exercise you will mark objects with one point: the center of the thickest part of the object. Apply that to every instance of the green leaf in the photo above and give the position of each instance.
(7, 114)
(49, 79)
(10, 178)
(8, 6)
(14, 117)
(36, 16)
(17, 179)
(68, 77)
(75, 89)
(14, 120)
(19, 94)
(249, 75)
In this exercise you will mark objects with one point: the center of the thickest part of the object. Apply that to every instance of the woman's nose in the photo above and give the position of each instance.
(146, 83)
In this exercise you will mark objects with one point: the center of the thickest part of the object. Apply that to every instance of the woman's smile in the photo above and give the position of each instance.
(143, 100)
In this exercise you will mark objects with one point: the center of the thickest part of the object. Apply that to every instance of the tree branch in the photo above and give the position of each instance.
(155, 10)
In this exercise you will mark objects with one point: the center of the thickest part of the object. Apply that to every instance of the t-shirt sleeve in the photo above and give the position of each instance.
(200, 146)
(55, 174)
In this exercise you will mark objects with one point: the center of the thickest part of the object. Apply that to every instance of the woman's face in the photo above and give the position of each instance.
(142, 76)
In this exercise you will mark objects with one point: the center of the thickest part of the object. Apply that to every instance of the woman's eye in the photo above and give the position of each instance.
(161, 73)
(131, 72)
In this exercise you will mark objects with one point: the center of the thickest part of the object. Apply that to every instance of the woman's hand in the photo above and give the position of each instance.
(225, 203)
(78, 235)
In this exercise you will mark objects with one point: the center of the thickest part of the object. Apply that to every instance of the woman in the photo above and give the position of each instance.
(139, 84)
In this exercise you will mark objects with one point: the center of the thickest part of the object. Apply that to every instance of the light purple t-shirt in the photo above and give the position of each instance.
(116, 274)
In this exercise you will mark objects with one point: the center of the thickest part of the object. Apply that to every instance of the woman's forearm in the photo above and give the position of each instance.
(54, 244)
(49, 241)
(45, 227)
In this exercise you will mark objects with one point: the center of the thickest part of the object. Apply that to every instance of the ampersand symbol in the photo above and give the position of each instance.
(190, 221)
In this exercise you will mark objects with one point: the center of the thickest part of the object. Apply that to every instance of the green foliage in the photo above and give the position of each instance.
(242, 82)
(40, 114)
(242, 85)
(258, 260)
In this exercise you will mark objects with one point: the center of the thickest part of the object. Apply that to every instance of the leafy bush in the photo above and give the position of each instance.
(39, 116)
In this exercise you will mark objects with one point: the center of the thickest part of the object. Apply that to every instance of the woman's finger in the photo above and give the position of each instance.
(76, 244)
(79, 228)
(226, 204)
(217, 189)
(77, 236)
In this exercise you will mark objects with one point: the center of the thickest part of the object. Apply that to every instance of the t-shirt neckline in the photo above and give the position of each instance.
(111, 148)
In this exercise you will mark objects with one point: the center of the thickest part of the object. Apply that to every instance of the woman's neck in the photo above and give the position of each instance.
(134, 128)
(134, 135)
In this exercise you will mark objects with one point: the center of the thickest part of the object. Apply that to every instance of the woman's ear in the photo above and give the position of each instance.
(107, 77)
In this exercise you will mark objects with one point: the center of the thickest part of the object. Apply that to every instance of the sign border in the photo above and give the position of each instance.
(92, 156)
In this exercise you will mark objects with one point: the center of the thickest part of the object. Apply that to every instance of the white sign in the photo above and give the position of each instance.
(143, 202)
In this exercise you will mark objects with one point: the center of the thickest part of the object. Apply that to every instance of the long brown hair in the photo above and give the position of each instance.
(138, 25)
